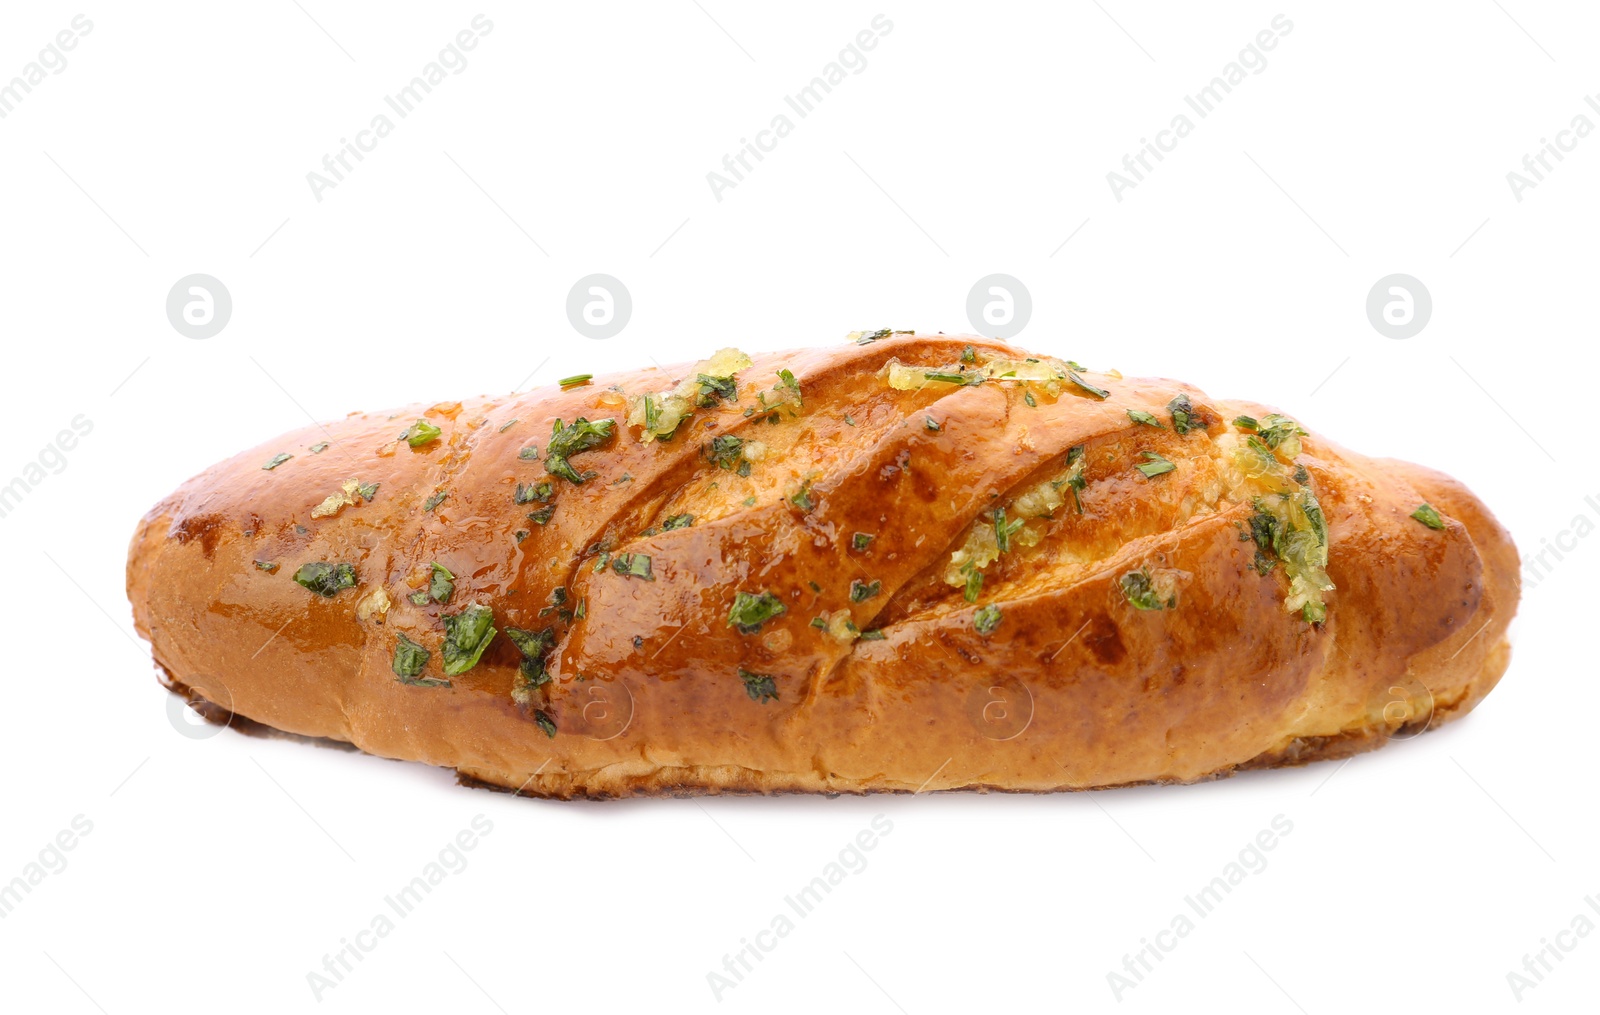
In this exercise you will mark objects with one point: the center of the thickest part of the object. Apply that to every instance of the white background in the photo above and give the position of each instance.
(220, 871)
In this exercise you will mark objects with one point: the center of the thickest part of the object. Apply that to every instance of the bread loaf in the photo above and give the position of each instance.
(907, 562)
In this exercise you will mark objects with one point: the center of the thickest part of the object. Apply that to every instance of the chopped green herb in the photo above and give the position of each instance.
(1003, 530)
(419, 597)
(1100, 393)
(633, 565)
(749, 612)
(1319, 524)
(1154, 465)
(1301, 476)
(527, 493)
(508, 426)
(409, 659)
(441, 584)
(968, 355)
(326, 579)
(1245, 422)
(367, 491)
(520, 535)
(268, 566)
(1183, 416)
(1075, 479)
(435, 500)
(319, 447)
(930, 423)
(421, 432)
(1027, 396)
(759, 686)
(714, 389)
(749, 502)
(529, 453)
(802, 500)
(986, 619)
(872, 635)
(947, 377)
(678, 522)
(566, 441)
(466, 635)
(1313, 612)
(848, 421)
(861, 541)
(1262, 451)
(533, 645)
(820, 623)
(1139, 590)
(974, 586)
(276, 461)
(624, 478)
(861, 591)
(1264, 531)
(725, 451)
(575, 380)
(868, 337)
(543, 515)
(1427, 515)
(545, 723)
(1140, 416)
(1275, 430)
(786, 379)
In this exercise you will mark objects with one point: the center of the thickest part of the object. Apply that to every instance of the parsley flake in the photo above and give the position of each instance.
(1154, 465)
(633, 565)
(527, 493)
(409, 659)
(1100, 393)
(749, 612)
(1183, 415)
(986, 619)
(466, 635)
(861, 591)
(326, 579)
(420, 433)
(1429, 516)
(566, 441)
(761, 687)
(1139, 590)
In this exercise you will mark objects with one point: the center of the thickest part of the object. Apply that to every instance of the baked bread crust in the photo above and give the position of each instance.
(653, 688)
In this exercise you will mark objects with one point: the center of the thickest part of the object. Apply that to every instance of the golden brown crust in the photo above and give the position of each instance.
(1074, 689)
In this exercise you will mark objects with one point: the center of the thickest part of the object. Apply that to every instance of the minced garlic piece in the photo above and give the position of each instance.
(337, 502)
(375, 604)
(840, 627)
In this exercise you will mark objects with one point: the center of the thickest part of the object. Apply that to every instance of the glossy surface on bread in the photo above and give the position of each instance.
(652, 688)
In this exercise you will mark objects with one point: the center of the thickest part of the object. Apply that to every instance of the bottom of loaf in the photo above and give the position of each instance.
(638, 779)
